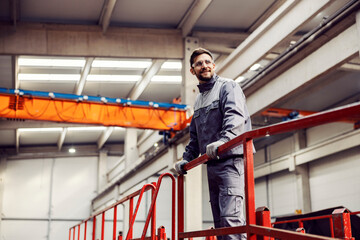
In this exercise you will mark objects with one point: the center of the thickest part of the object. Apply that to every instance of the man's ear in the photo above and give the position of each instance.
(192, 71)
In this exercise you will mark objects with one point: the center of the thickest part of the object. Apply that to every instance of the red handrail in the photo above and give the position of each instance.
(152, 207)
(132, 217)
(252, 230)
(338, 114)
(132, 221)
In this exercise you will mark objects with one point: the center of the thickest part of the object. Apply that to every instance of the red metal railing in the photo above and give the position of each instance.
(330, 217)
(132, 216)
(258, 223)
(155, 187)
(253, 230)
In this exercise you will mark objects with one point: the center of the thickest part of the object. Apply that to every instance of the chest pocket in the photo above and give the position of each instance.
(196, 114)
(213, 106)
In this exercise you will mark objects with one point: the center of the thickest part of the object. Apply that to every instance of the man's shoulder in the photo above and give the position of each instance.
(226, 82)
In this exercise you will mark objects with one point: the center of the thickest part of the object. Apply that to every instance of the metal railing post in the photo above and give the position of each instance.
(263, 219)
(161, 233)
(85, 230)
(79, 232)
(114, 226)
(180, 205)
(249, 186)
(342, 224)
(102, 225)
(94, 228)
(131, 209)
(153, 217)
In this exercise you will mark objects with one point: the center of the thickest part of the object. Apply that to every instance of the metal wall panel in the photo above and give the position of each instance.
(320, 133)
(29, 230)
(261, 192)
(27, 188)
(334, 181)
(259, 157)
(60, 230)
(282, 193)
(281, 148)
(74, 185)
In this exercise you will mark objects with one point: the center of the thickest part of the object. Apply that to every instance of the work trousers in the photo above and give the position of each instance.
(226, 188)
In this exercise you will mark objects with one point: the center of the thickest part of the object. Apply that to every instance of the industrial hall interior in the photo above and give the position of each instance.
(97, 97)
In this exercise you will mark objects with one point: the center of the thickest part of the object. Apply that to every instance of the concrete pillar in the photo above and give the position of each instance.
(2, 180)
(303, 188)
(102, 170)
(302, 175)
(193, 199)
(358, 27)
(193, 182)
(189, 88)
(131, 150)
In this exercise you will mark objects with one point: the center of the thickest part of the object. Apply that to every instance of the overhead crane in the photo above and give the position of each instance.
(60, 107)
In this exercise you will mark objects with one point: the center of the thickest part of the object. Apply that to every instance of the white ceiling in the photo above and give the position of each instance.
(231, 16)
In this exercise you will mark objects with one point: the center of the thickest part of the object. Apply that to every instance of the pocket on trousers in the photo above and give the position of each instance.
(230, 201)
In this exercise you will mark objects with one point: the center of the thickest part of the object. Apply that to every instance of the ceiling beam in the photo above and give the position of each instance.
(85, 72)
(14, 124)
(286, 20)
(14, 12)
(15, 71)
(328, 56)
(192, 16)
(268, 12)
(17, 140)
(141, 85)
(106, 14)
(62, 138)
(88, 41)
(104, 137)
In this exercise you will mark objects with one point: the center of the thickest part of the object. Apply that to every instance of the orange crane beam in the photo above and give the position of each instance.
(19, 104)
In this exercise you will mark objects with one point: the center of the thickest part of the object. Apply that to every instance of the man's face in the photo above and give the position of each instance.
(203, 68)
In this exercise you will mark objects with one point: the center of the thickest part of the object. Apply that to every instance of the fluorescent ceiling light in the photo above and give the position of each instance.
(51, 62)
(240, 79)
(40, 129)
(121, 64)
(100, 128)
(48, 77)
(255, 67)
(167, 79)
(172, 65)
(72, 150)
(113, 78)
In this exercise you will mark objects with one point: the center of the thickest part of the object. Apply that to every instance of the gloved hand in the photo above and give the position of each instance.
(211, 149)
(179, 167)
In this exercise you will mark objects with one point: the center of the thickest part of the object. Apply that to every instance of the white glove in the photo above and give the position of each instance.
(211, 149)
(179, 166)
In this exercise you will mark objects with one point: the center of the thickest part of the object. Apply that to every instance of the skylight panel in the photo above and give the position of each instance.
(51, 62)
(121, 64)
(167, 79)
(113, 78)
(48, 77)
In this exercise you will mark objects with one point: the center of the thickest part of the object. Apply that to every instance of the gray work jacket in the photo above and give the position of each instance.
(220, 113)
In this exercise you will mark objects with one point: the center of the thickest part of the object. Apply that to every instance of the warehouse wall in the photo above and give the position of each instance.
(46, 196)
(330, 178)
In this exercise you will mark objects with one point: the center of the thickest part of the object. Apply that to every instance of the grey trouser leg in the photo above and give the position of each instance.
(226, 187)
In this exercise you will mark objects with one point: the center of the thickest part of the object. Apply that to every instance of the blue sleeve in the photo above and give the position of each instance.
(192, 149)
(232, 103)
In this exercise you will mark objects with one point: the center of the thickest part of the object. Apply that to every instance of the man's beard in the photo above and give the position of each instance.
(205, 79)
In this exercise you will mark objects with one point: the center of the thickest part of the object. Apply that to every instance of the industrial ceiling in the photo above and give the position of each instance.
(221, 25)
